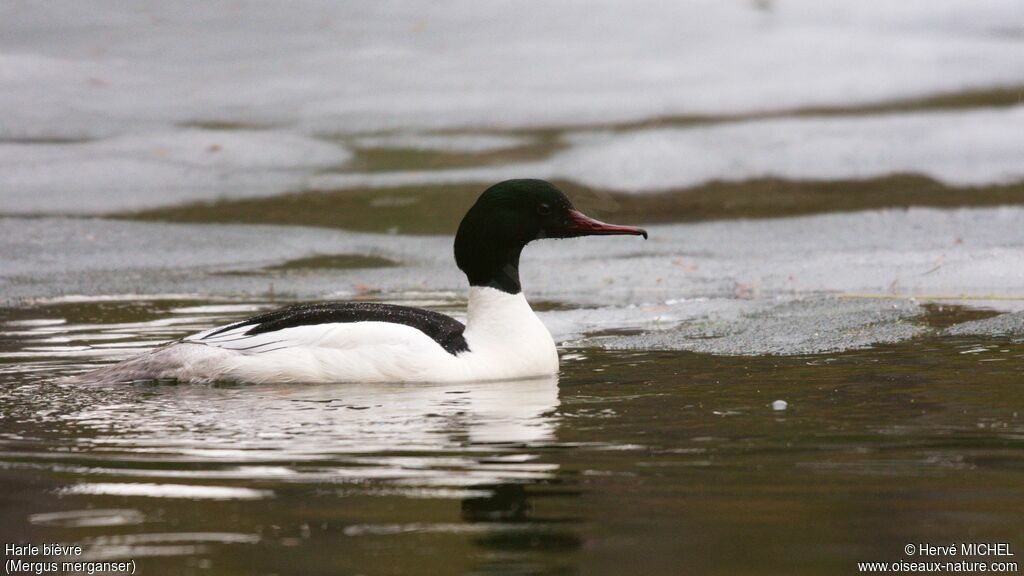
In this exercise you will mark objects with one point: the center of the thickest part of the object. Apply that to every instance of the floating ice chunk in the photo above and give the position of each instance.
(780, 405)
(797, 327)
(152, 169)
(1011, 324)
(964, 148)
(975, 147)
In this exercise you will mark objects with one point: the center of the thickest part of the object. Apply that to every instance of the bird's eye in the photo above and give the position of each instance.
(543, 209)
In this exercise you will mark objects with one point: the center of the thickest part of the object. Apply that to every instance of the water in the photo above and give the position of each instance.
(627, 462)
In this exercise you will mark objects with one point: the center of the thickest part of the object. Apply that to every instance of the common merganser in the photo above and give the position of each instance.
(369, 342)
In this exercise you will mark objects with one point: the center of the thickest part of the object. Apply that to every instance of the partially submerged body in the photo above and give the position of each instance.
(504, 340)
(362, 342)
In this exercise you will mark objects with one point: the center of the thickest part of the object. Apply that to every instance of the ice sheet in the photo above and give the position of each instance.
(976, 147)
(81, 70)
(730, 276)
(959, 148)
(102, 100)
(157, 168)
(796, 327)
(1009, 324)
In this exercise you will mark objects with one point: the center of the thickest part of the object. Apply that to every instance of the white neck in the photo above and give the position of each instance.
(505, 337)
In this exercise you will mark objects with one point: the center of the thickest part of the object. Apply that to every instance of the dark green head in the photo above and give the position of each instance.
(507, 217)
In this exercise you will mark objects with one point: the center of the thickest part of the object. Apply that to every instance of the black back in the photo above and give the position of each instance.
(443, 329)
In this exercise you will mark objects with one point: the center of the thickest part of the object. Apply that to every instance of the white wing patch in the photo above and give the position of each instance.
(237, 339)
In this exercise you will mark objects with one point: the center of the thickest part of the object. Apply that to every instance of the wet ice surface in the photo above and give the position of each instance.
(976, 147)
(339, 67)
(958, 148)
(158, 169)
(1009, 324)
(731, 285)
(802, 327)
(108, 110)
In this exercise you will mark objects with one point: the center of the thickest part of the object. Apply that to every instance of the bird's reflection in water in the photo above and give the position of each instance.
(375, 448)
(514, 504)
(304, 423)
(407, 436)
(510, 505)
(506, 424)
(494, 417)
(506, 503)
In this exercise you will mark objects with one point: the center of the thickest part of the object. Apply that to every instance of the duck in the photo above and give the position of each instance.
(333, 342)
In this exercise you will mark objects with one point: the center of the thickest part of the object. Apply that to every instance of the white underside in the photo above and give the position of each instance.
(506, 341)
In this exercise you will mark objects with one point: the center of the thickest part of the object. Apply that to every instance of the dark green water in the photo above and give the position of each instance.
(628, 463)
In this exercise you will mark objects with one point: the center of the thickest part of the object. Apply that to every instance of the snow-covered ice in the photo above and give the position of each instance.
(71, 69)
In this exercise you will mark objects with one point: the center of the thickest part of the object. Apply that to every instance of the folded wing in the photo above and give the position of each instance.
(310, 325)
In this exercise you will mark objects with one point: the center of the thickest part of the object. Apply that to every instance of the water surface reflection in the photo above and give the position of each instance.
(632, 462)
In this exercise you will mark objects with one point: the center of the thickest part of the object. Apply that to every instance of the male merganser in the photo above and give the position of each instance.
(368, 342)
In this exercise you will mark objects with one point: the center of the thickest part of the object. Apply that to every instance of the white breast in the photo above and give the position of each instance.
(506, 339)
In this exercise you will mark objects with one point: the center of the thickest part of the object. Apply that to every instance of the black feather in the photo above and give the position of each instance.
(443, 329)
